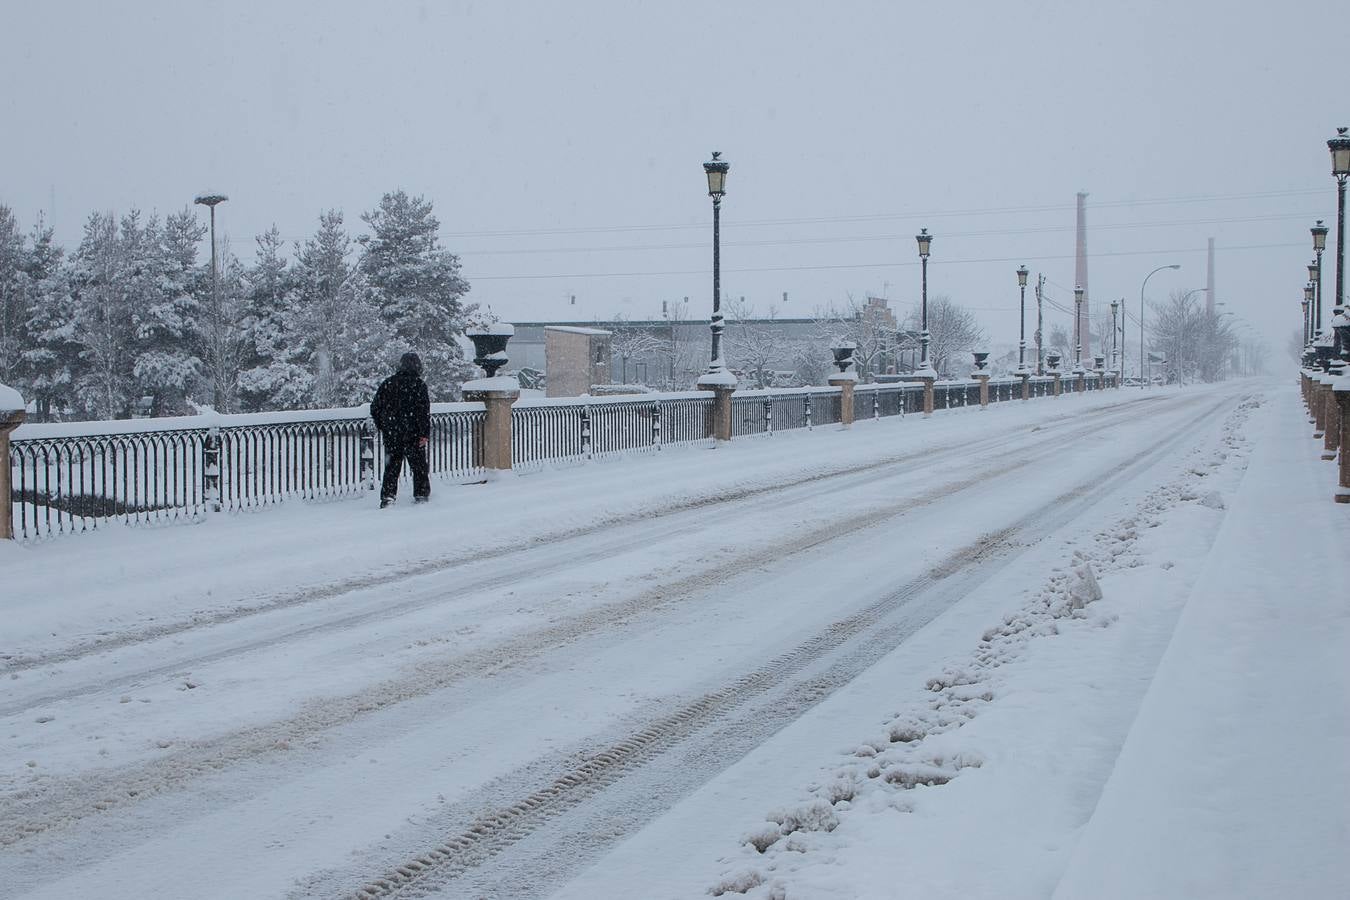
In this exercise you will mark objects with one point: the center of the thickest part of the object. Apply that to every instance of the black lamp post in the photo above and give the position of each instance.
(925, 242)
(716, 170)
(1315, 317)
(1319, 236)
(1022, 273)
(1340, 168)
(1307, 302)
(1078, 328)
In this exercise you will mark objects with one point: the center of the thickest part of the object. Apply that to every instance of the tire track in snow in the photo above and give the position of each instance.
(64, 801)
(869, 634)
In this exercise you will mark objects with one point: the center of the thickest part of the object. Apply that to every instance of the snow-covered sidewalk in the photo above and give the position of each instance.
(1235, 779)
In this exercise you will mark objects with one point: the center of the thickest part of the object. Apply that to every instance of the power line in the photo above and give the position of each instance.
(878, 265)
(929, 214)
(1001, 232)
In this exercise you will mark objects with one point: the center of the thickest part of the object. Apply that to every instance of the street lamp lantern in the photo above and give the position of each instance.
(1340, 154)
(1319, 234)
(716, 169)
(1022, 274)
(1308, 292)
(925, 241)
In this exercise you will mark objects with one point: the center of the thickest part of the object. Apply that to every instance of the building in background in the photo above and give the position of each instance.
(575, 358)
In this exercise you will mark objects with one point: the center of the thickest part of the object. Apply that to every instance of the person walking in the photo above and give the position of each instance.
(402, 411)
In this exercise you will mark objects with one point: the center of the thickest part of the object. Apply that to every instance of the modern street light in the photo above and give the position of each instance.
(1143, 382)
(925, 241)
(716, 170)
(1078, 328)
(210, 201)
(1340, 168)
(1022, 273)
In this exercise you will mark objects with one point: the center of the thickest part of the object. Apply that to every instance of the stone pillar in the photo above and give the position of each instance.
(1081, 385)
(498, 399)
(9, 420)
(1026, 385)
(1058, 387)
(1319, 406)
(1331, 426)
(721, 415)
(928, 395)
(845, 384)
(1342, 394)
(983, 379)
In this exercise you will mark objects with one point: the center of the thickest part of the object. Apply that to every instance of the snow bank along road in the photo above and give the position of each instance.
(336, 701)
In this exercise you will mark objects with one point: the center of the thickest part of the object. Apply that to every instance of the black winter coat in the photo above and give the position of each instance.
(402, 408)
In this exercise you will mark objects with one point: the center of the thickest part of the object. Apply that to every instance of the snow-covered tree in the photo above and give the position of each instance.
(266, 367)
(752, 347)
(630, 343)
(102, 318)
(49, 355)
(167, 287)
(224, 340)
(14, 302)
(335, 333)
(418, 289)
(1196, 344)
(953, 330)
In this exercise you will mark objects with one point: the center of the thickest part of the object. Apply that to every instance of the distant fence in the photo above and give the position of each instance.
(77, 477)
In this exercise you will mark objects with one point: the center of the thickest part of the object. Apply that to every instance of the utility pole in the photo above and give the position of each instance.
(1040, 287)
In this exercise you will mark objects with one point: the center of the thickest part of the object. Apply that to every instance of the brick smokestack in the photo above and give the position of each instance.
(1080, 277)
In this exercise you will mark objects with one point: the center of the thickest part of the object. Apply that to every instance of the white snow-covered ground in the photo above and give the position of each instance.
(1074, 648)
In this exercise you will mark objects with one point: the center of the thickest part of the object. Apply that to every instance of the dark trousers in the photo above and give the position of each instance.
(394, 454)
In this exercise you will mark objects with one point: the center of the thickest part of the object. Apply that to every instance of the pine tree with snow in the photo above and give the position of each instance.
(14, 302)
(266, 366)
(50, 356)
(335, 335)
(167, 288)
(102, 317)
(418, 288)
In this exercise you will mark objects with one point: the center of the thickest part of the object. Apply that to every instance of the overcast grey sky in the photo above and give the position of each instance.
(562, 142)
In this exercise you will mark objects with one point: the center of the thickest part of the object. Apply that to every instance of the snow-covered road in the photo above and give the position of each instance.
(590, 682)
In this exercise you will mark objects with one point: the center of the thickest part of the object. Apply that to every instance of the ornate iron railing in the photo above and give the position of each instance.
(560, 430)
(69, 478)
(76, 477)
